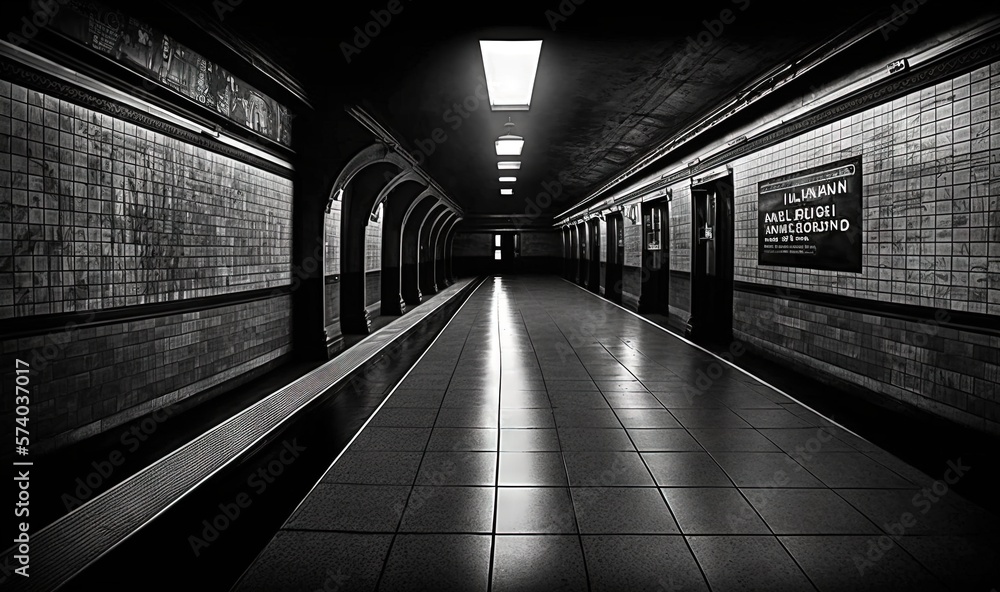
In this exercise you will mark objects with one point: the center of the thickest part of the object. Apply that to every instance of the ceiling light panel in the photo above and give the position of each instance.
(510, 72)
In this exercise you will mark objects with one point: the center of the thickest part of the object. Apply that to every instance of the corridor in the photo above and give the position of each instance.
(550, 440)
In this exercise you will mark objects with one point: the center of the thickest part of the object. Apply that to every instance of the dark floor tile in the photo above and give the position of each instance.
(426, 381)
(685, 469)
(745, 399)
(747, 563)
(841, 563)
(526, 418)
(622, 510)
(538, 564)
(571, 386)
(646, 418)
(764, 469)
(488, 381)
(805, 440)
(406, 417)
(392, 439)
(664, 440)
(452, 562)
(459, 467)
(618, 563)
(688, 398)
(586, 418)
(584, 400)
(468, 417)
(476, 439)
(921, 512)
(716, 510)
(633, 400)
(607, 469)
(851, 469)
(296, 560)
(626, 383)
(366, 467)
(808, 511)
(532, 469)
(358, 508)
(592, 439)
(963, 562)
(470, 398)
(529, 440)
(771, 418)
(449, 509)
(732, 440)
(415, 398)
(530, 510)
(709, 418)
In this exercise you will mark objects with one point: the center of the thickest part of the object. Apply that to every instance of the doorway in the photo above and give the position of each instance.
(712, 269)
(506, 252)
(594, 256)
(655, 266)
(615, 246)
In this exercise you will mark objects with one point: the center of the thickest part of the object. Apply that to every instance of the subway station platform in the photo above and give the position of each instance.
(551, 440)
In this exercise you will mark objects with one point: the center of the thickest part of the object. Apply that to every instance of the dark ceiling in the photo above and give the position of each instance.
(614, 79)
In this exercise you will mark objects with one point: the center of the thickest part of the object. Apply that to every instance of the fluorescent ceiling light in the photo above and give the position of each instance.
(508, 179)
(508, 165)
(508, 145)
(506, 192)
(510, 72)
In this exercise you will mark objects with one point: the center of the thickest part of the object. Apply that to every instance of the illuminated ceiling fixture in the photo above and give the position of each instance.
(509, 144)
(509, 165)
(506, 192)
(510, 72)
(508, 179)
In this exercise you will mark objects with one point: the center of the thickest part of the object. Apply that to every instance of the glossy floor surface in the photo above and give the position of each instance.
(550, 440)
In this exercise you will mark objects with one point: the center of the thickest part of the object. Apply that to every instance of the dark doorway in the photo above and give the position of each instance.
(712, 269)
(594, 256)
(584, 277)
(506, 252)
(615, 246)
(655, 267)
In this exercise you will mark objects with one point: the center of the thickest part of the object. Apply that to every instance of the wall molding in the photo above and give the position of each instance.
(971, 322)
(39, 325)
(40, 81)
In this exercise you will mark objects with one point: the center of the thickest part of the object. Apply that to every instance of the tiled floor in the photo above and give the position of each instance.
(552, 441)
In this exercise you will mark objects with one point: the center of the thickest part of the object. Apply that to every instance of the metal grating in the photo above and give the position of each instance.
(67, 546)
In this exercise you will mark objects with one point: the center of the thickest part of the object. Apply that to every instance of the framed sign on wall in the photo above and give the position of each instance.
(812, 218)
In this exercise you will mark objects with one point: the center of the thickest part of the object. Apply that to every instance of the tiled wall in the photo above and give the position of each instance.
(331, 228)
(931, 186)
(99, 213)
(88, 380)
(680, 227)
(373, 245)
(931, 227)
